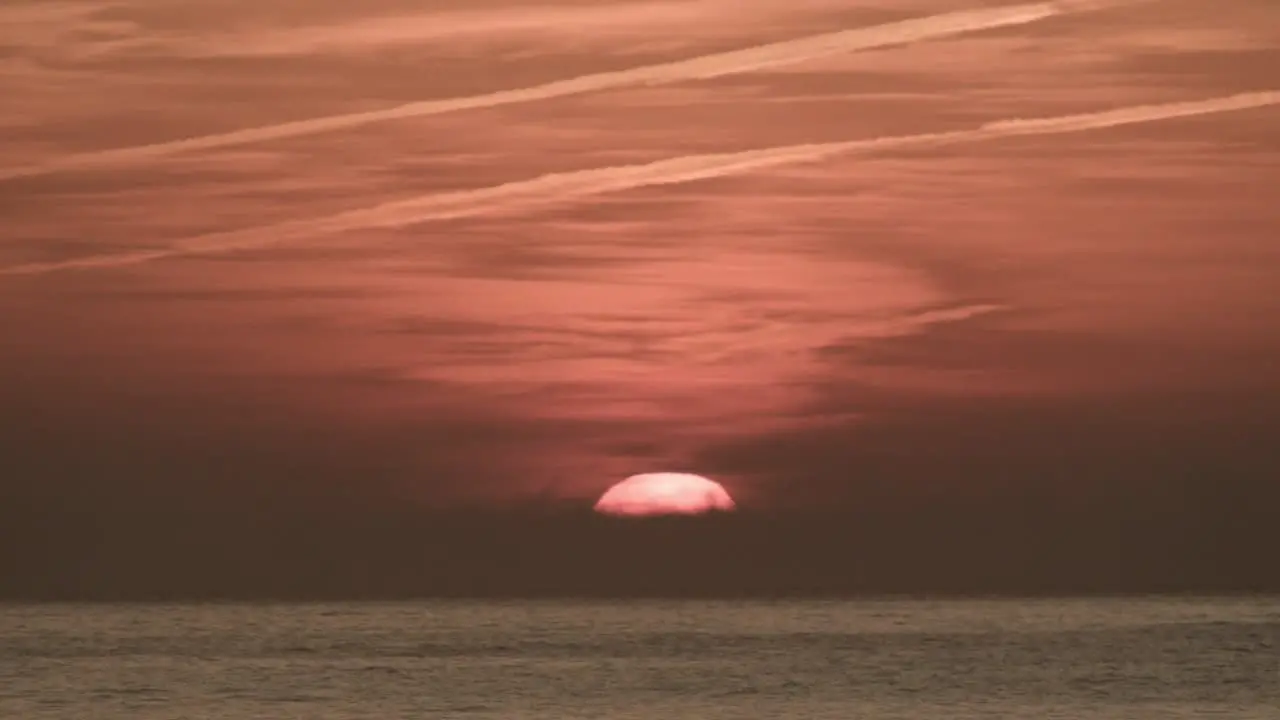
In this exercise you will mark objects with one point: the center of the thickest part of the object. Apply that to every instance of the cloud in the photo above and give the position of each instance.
(683, 342)
(707, 66)
(73, 28)
(600, 23)
(561, 187)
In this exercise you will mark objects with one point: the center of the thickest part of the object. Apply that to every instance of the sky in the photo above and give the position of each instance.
(846, 258)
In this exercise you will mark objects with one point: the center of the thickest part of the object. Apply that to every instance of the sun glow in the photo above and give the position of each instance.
(665, 494)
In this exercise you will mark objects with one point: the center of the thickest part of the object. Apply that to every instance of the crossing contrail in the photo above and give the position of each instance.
(561, 187)
(706, 66)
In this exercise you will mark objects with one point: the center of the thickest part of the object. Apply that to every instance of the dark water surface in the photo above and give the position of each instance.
(1138, 658)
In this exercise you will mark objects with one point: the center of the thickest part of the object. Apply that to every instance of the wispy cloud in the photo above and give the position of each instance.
(676, 339)
(71, 27)
(707, 66)
(562, 187)
(601, 23)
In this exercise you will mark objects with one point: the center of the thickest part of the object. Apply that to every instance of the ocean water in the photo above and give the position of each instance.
(1147, 658)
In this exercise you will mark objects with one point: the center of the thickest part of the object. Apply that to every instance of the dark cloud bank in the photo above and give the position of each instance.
(1011, 498)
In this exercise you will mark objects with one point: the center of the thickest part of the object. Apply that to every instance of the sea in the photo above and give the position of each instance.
(1075, 659)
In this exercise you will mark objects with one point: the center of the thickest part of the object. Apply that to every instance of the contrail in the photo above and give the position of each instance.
(706, 66)
(560, 187)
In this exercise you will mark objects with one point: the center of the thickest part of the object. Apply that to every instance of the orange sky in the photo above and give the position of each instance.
(601, 315)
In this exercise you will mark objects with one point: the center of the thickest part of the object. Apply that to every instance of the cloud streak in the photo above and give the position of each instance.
(561, 187)
(601, 22)
(704, 67)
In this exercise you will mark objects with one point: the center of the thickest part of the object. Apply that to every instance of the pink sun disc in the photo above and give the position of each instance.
(665, 494)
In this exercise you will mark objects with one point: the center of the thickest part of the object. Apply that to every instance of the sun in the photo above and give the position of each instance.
(665, 493)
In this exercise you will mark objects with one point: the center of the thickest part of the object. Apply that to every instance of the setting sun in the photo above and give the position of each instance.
(665, 494)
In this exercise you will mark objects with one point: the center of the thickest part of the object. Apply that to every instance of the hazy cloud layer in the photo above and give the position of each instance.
(709, 66)
(561, 187)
